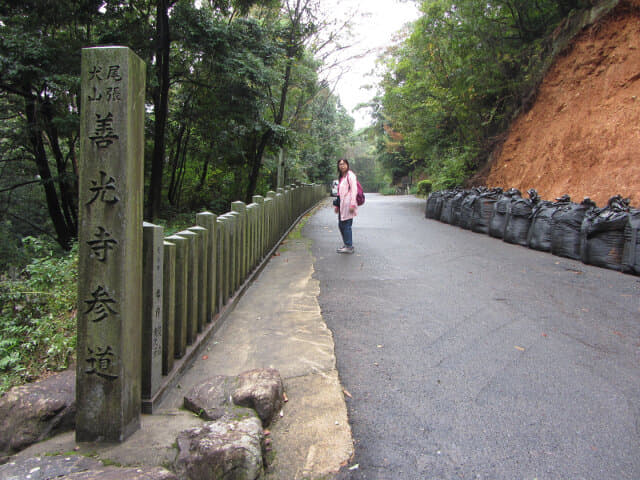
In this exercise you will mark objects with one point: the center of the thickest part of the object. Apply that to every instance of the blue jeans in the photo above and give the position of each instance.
(345, 231)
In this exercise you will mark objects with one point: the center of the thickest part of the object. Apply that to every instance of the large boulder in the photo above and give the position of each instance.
(224, 450)
(211, 400)
(31, 413)
(76, 467)
(261, 390)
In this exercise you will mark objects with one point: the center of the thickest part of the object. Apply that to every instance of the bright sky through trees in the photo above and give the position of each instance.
(375, 24)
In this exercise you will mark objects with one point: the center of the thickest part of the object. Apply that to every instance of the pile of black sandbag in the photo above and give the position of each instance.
(606, 237)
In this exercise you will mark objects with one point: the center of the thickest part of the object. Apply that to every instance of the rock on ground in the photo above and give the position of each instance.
(260, 389)
(225, 450)
(211, 399)
(33, 412)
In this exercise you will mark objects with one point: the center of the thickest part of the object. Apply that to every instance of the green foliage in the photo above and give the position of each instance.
(176, 223)
(424, 188)
(323, 143)
(11, 255)
(37, 315)
(453, 168)
(364, 163)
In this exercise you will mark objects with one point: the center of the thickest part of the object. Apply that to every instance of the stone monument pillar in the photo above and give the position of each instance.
(108, 389)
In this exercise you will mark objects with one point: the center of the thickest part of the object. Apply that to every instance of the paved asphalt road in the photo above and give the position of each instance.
(467, 357)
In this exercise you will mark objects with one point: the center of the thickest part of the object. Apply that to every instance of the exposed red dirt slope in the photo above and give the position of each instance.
(582, 135)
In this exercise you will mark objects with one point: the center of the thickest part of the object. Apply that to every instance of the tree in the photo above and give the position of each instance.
(326, 130)
(223, 71)
(161, 104)
(161, 92)
(39, 72)
(229, 83)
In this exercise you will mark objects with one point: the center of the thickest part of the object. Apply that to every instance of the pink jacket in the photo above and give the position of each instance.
(347, 191)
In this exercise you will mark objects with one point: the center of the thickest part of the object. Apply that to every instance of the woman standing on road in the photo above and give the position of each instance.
(347, 207)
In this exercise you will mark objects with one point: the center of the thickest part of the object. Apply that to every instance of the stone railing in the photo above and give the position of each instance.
(192, 278)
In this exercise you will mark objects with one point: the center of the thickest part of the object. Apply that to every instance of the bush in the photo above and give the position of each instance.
(454, 168)
(387, 190)
(37, 316)
(12, 256)
(424, 188)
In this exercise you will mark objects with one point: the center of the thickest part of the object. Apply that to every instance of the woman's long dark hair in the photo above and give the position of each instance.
(338, 166)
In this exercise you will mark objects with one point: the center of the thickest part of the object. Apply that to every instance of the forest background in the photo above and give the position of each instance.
(234, 87)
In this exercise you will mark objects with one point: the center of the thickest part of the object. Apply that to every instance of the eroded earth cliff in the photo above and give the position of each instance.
(582, 135)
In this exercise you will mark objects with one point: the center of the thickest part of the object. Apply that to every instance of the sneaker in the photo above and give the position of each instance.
(345, 249)
(340, 248)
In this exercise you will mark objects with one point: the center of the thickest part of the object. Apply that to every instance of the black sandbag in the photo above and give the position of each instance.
(602, 234)
(466, 208)
(631, 252)
(518, 221)
(483, 209)
(566, 223)
(500, 213)
(456, 206)
(446, 213)
(434, 205)
(539, 236)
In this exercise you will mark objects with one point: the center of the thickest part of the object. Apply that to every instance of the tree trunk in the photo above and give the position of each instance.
(161, 100)
(293, 45)
(67, 181)
(64, 232)
(181, 170)
(281, 172)
(175, 164)
(205, 166)
(255, 162)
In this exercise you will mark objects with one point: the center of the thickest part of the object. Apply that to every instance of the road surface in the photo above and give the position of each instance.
(463, 356)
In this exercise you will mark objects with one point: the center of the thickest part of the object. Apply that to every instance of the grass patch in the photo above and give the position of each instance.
(296, 233)
(107, 462)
